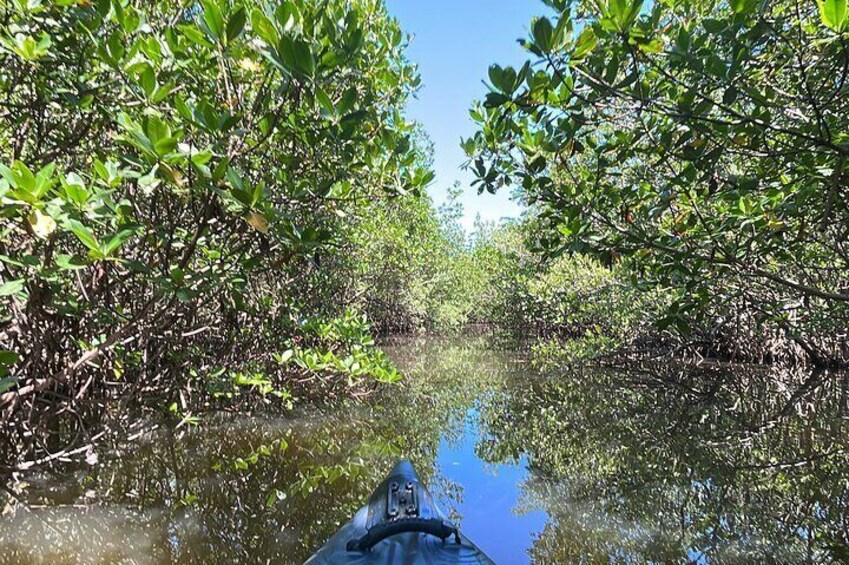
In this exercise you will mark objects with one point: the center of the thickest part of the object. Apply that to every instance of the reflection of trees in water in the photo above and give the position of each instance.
(218, 513)
(745, 466)
(448, 376)
(662, 466)
(209, 511)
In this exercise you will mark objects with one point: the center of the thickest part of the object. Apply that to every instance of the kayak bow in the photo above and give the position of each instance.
(401, 525)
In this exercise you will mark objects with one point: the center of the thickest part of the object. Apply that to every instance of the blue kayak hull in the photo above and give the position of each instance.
(405, 548)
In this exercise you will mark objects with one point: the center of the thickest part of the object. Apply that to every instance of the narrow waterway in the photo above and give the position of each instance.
(720, 465)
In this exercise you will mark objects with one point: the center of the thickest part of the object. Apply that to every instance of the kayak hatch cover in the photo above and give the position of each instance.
(400, 525)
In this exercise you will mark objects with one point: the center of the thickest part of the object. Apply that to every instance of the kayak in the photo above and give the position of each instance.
(401, 525)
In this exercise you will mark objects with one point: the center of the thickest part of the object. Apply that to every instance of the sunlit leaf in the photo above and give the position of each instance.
(12, 287)
(257, 221)
(833, 13)
(42, 224)
(84, 234)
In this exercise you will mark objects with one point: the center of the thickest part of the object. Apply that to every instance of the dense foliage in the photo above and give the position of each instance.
(412, 268)
(580, 308)
(704, 143)
(178, 182)
(218, 203)
(666, 465)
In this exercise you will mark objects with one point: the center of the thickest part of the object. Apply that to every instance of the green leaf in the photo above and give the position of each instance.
(286, 15)
(622, 13)
(27, 47)
(653, 46)
(6, 174)
(147, 80)
(304, 58)
(286, 55)
(283, 358)
(8, 383)
(178, 275)
(236, 182)
(495, 76)
(12, 287)
(195, 35)
(8, 358)
(742, 6)
(163, 91)
(221, 169)
(349, 99)
(137, 137)
(495, 99)
(157, 129)
(165, 146)
(212, 19)
(236, 24)
(44, 180)
(585, 44)
(23, 177)
(70, 262)
(257, 193)
(116, 241)
(75, 189)
(201, 157)
(325, 102)
(84, 235)
(543, 33)
(833, 14)
(263, 27)
(272, 498)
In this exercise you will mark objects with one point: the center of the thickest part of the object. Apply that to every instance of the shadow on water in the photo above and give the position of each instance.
(718, 465)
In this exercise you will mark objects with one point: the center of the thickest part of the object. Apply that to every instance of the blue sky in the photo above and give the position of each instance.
(454, 42)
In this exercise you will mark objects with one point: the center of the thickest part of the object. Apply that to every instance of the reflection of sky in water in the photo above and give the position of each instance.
(617, 476)
(491, 494)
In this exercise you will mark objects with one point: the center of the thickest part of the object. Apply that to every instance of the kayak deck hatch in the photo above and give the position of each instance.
(401, 524)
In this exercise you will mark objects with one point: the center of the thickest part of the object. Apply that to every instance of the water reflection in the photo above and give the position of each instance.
(659, 466)
(723, 465)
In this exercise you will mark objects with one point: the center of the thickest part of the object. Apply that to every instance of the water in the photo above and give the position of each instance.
(724, 465)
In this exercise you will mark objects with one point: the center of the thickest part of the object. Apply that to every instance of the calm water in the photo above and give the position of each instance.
(634, 466)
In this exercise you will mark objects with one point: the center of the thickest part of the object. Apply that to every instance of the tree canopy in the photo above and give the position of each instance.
(172, 175)
(703, 142)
